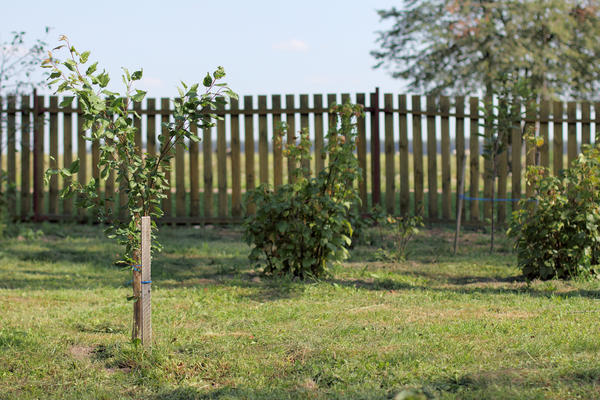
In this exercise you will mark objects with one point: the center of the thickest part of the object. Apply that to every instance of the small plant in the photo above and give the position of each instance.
(301, 227)
(110, 118)
(401, 230)
(559, 236)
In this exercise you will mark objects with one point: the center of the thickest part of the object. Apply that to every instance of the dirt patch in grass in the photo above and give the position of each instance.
(81, 352)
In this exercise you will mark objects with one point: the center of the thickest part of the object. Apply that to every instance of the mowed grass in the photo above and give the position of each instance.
(444, 326)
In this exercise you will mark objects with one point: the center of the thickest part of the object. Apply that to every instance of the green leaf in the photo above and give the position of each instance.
(137, 75)
(207, 82)
(67, 101)
(84, 57)
(91, 69)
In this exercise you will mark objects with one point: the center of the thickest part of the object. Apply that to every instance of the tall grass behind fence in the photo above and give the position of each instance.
(398, 138)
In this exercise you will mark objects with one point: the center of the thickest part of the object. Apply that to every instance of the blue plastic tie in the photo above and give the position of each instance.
(146, 282)
(137, 267)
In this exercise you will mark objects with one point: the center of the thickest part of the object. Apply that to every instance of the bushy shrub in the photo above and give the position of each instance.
(301, 227)
(558, 236)
(400, 230)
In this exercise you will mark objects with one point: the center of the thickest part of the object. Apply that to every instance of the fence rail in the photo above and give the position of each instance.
(397, 141)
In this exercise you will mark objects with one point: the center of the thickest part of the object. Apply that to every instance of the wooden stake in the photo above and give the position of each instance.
(142, 280)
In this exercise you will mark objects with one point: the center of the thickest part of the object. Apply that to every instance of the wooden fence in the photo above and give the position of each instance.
(395, 148)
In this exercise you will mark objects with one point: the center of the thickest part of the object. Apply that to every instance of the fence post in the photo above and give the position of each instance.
(146, 315)
(375, 149)
(38, 161)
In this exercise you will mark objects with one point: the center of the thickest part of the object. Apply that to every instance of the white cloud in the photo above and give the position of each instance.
(292, 45)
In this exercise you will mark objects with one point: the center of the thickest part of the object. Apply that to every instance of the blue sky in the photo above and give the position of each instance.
(266, 47)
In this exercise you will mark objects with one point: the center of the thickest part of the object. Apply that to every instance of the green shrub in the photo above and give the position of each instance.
(300, 227)
(400, 231)
(559, 236)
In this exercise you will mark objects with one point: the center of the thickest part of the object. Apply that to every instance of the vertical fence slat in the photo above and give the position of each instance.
(530, 153)
(585, 122)
(167, 202)
(53, 191)
(304, 125)
(277, 149)
(446, 165)
(403, 153)
(222, 164)
(375, 150)
(361, 153)
(263, 140)
(151, 126)
(290, 120)
(67, 155)
(596, 122)
(516, 146)
(180, 179)
(460, 146)
(236, 180)
(207, 149)
(558, 149)
(318, 105)
(417, 155)
(11, 160)
(249, 147)
(25, 157)
(137, 123)
(432, 182)
(572, 131)
(390, 186)
(331, 100)
(502, 162)
(488, 179)
(1, 134)
(194, 176)
(544, 117)
(82, 175)
(474, 157)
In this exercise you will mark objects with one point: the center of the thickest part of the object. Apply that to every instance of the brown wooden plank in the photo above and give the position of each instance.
(38, 157)
(544, 118)
(403, 153)
(180, 208)
(530, 152)
(572, 131)
(390, 186)
(558, 148)
(361, 152)
(67, 155)
(304, 126)
(277, 144)
(331, 117)
(474, 157)
(137, 123)
(194, 176)
(446, 165)
(488, 179)
(432, 159)
(417, 156)
(460, 149)
(585, 122)
(502, 165)
(53, 191)
(151, 126)
(11, 161)
(222, 164)
(375, 150)
(249, 148)
(26, 123)
(291, 132)
(236, 172)
(82, 175)
(516, 154)
(263, 140)
(207, 150)
(596, 131)
(1, 136)
(167, 202)
(319, 142)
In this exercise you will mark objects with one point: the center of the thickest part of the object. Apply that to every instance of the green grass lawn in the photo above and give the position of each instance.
(452, 327)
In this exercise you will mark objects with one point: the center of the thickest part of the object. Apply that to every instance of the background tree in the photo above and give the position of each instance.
(456, 46)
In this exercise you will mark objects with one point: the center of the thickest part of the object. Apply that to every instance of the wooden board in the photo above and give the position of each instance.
(263, 140)
(236, 181)
(222, 164)
(249, 148)
(390, 186)
(558, 146)
(403, 155)
(545, 149)
(26, 124)
(417, 155)
(460, 148)
(291, 132)
(277, 143)
(146, 283)
(432, 182)
(572, 131)
(53, 191)
(194, 175)
(474, 158)
(304, 126)
(67, 155)
(207, 150)
(82, 154)
(446, 166)
(167, 203)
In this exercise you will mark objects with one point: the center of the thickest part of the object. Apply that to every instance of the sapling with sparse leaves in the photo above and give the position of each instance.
(109, 119)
